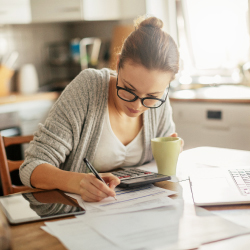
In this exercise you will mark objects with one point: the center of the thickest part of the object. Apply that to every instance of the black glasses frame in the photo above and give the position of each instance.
(137, 97)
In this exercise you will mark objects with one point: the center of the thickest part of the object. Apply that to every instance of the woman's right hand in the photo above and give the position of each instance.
(93, 190)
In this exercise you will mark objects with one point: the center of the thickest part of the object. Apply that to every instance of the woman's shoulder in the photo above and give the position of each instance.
(88, 80)
(88, 86)
(92, 77)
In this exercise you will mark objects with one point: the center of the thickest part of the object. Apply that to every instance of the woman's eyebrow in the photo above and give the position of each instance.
(129, 84)
(158, 92)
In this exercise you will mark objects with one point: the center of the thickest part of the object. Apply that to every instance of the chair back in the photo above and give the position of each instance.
(7, 166)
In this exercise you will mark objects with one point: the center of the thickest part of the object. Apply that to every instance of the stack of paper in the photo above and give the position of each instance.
(80, 233)
(128, 200)
(162, 228)
(143, 218)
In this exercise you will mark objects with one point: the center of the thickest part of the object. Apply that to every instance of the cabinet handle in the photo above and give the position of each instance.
(215, 115)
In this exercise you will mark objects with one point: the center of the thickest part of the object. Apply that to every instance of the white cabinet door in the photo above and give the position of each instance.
(74, 10)
(223, 125)
(89, 10)
(15, 11)
(101, 9)
(32, 113)
(132, 8)
(56, 10)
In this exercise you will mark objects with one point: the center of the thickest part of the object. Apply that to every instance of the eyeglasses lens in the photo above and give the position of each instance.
(128, 96)
(152, 103)
(125, 95)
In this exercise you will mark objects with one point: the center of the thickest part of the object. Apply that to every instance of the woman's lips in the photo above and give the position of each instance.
(133, 111)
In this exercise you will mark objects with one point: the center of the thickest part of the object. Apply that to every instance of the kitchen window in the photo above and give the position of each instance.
(213, 39)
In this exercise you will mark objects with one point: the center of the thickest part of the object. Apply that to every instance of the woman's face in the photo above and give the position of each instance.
(142, 82)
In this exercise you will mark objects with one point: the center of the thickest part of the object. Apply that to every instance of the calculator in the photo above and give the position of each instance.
(132, 177)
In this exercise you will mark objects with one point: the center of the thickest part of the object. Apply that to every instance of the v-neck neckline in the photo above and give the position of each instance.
(112, 132)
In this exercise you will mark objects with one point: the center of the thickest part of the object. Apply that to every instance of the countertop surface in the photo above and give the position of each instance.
(16, 97)
(225, 94)
(222, 94)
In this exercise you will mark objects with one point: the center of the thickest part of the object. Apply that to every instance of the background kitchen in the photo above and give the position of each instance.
(45, 43)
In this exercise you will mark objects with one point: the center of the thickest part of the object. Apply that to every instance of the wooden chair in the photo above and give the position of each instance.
(7, 166)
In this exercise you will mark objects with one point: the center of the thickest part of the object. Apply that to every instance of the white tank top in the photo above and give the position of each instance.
(111, 153)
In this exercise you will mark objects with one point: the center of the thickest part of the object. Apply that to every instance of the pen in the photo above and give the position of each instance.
(92, 169)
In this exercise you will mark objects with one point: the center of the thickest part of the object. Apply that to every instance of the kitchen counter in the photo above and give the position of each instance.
(220, 94)
(213, 116)
(17, 98)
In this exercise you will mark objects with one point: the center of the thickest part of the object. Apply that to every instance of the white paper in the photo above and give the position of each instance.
(129, 197)
(238, 216)
(47, 230)
(128, 200)
(150, 204)
(175, 227)
(76, 235)
(142, 230)
(181, 226)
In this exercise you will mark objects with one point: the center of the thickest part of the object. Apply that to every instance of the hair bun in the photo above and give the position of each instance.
(153, 22)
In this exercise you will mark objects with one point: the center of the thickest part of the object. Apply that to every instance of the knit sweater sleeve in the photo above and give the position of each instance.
(55, 139)
(166, 125)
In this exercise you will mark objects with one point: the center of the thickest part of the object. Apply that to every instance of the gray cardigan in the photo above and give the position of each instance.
(73, 127)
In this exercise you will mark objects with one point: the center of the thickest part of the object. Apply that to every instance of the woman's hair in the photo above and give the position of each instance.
(150, 46)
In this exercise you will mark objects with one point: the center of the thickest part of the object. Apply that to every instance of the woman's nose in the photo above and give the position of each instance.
(137, 104)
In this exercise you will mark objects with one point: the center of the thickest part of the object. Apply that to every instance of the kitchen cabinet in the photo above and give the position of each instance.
(29, 114)
(15, 11)
(55, 10)
(89, 10)
(132, 9)
(100, 9)
(215, 124)
(23, 113)
(74, 10)
(33, 113)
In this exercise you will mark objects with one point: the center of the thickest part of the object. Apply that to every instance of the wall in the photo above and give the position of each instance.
(31, 41)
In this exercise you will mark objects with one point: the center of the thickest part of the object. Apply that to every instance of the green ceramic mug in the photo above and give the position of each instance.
(166, 151)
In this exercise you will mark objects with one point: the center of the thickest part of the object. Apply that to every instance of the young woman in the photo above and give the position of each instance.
(109, 119)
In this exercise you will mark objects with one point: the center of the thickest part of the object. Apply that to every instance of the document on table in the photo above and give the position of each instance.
(132, 231)
(140, 230)
(171, 227)
(238, 216)
(133, 199)
(76, 235)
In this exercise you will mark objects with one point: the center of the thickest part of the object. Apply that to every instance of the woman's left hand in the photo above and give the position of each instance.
(182, 142)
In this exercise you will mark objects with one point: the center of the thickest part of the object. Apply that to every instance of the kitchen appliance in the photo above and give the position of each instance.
(27, 80)
(89, 52)
(58, 53)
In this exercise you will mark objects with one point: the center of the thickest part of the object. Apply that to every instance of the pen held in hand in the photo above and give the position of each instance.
(92, 169)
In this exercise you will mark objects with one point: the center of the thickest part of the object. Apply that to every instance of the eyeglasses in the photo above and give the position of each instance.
(129, 96)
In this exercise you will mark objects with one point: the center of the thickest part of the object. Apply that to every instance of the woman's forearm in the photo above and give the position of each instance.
(46, 176)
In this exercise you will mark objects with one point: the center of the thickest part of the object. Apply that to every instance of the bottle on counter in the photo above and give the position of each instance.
(27, 80)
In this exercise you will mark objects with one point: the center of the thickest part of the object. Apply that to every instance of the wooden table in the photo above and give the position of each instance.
(30, 236)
